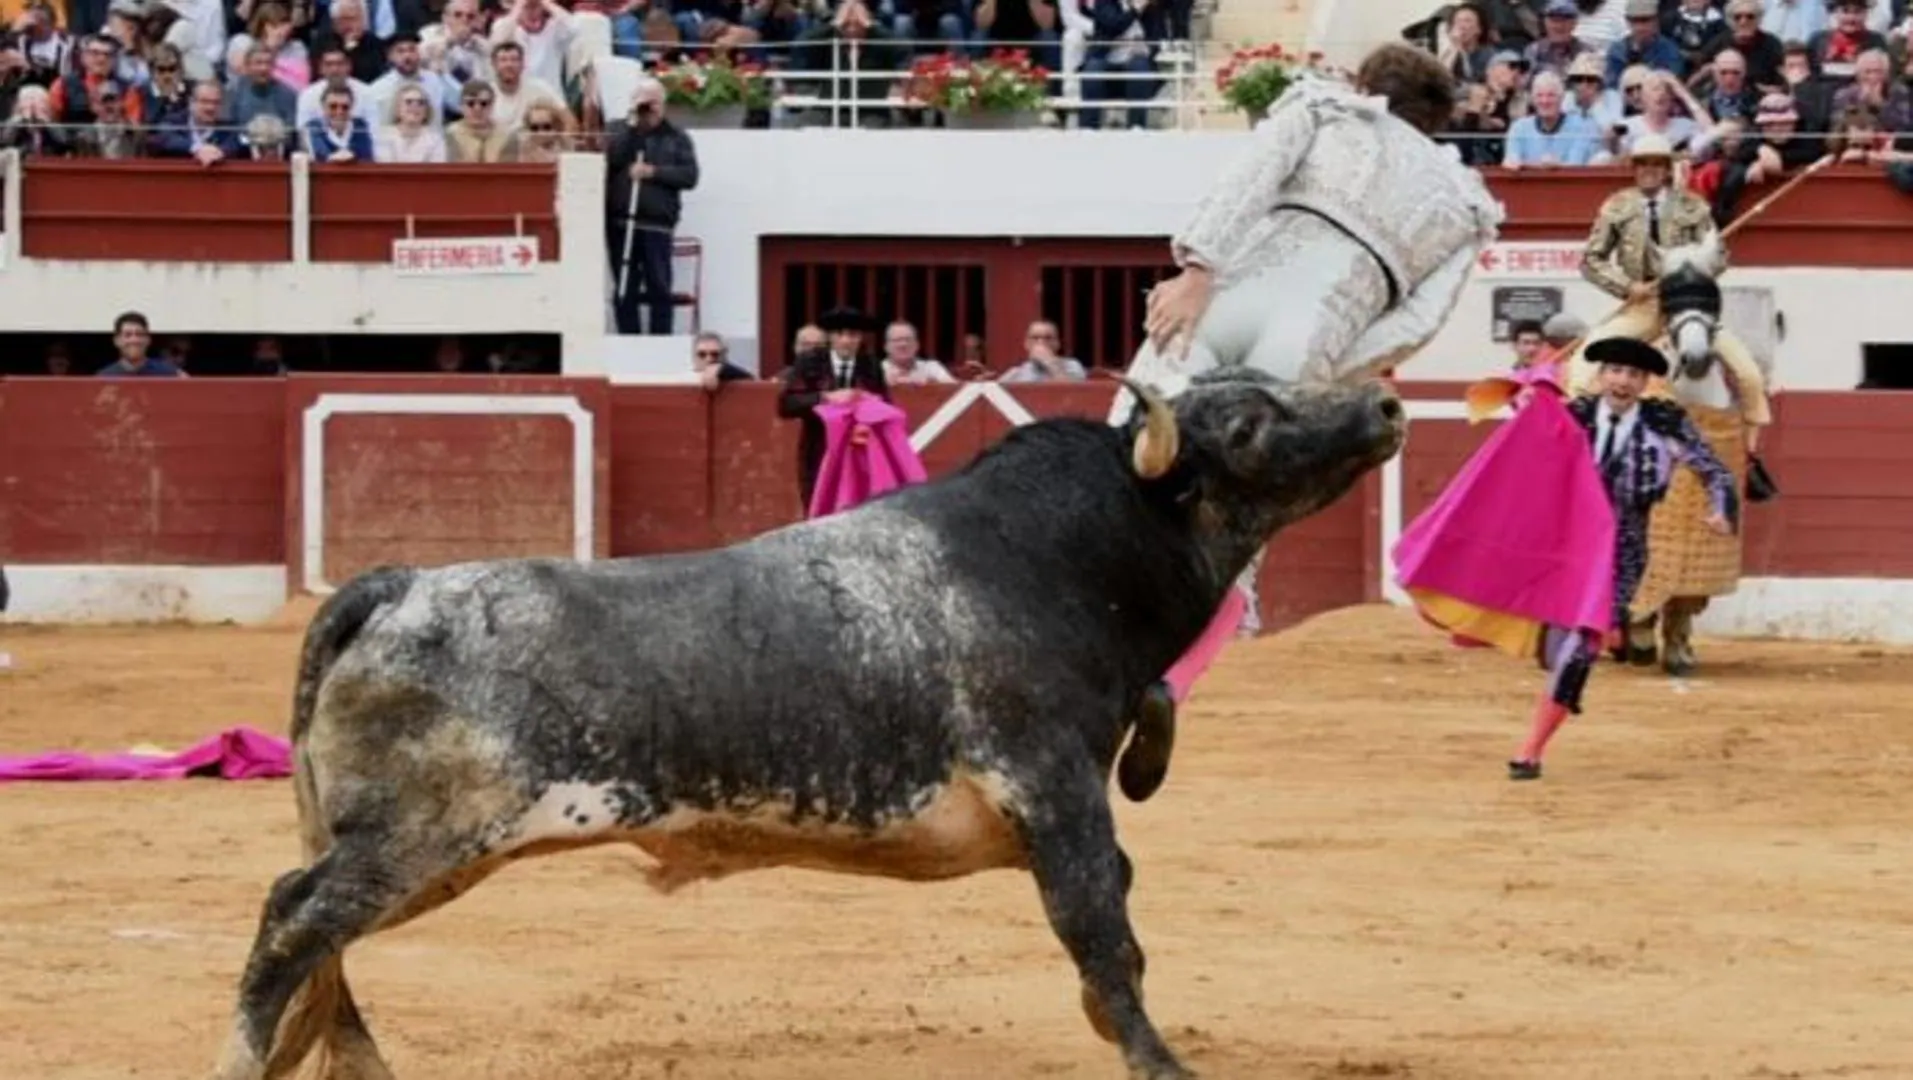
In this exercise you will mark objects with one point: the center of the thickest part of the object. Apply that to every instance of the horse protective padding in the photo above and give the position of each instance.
(1684, 556)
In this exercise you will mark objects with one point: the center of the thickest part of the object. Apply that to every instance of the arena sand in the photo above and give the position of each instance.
(1337, 881)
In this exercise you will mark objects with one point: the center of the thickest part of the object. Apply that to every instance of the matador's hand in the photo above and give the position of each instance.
(1175, 307)
(1717, 521)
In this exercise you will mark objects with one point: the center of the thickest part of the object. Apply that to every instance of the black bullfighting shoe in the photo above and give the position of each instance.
(1144, 764)
(1524, 770)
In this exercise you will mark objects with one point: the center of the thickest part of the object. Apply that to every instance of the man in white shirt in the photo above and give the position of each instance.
(903, 363)
(517, 91)
(541, 28)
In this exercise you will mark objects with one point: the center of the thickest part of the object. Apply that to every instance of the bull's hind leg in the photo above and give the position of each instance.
(309, 919)
(1084, 879)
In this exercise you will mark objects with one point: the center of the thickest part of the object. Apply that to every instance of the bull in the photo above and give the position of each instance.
(934, 684)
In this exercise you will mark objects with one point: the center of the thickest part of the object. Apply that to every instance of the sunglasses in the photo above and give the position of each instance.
(478, 103)
(709, 354)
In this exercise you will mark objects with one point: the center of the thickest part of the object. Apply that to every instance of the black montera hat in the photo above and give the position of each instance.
(1628, 352)
(843, 317)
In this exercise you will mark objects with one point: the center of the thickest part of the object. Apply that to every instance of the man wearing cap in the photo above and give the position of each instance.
(1557, 48)
(833, 374)
(1623, 259)
(1644, 43)
(1636, 442)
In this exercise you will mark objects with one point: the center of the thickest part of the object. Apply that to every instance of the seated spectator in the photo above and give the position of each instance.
(196, 32)
(513, 90)
(903, 362)
(777, 23)
(930, 25)
(1858, 138)
(410, 138)
(111, 134)
(338, 137)
(1780, 149)
(1120, 43)
(346, 26)
(164, 101)
(1465, 52)
(1660, 93)
(1692, 26)
(1589, 96)
(1644, 43)
(1557, 49)
(1044, 363)
(1727, 92)
(1794, 20)
(457, 49)
(271, 27)
(335, 66)
(255, 92)
(1873, 88)
(408, 69)
(124, 27)
(826, 75)
(31, 130)
(1548, 137)
(1836, 50)
(543, 30)
(1762, 52)
(710, 358)
(545, 132)
(200, 134)
(1033, 25)
(265, 138)
(1812, 96)
(44, 47)
(71, 96)
(477, 138)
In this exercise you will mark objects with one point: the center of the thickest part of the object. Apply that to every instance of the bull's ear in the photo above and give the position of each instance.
(1159, 441)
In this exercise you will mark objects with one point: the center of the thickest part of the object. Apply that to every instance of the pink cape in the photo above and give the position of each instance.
(866, 453)
(235, 754)
(1525, 529)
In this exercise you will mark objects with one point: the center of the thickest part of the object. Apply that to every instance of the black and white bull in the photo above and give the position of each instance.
(931, 685)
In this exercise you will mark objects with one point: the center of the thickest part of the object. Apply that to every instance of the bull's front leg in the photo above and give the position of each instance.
(1084, 879)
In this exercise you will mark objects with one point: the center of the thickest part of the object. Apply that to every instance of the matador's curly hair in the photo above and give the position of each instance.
(1418, 88)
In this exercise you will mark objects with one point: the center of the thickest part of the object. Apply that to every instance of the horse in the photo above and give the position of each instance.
(1691, 306)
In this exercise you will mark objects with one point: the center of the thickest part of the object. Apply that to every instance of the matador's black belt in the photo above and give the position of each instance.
(1394, 286)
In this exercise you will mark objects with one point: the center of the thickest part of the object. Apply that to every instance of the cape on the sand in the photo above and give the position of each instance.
(1523, 537)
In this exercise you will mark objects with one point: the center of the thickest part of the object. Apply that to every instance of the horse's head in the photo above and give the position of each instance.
(1691, 303)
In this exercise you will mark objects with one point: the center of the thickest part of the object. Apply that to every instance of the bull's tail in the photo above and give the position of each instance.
(318, 1007)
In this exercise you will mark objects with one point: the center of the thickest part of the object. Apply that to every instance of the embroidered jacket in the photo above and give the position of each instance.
(1638, 474)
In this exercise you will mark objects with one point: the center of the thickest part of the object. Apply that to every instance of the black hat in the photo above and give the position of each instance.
(1628, 352)
(843, 317)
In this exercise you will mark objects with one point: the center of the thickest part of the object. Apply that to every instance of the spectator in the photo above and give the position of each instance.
(1043, 361)
(268, 358)
(1120, 44)
(407, 69)
(255, 92)
(71, 96)
(1659, 96)
(1858, 137)
(650, 163)
(110, 135)
(409, 138)
(1528, 341)
(834, 374)
(165, 101)
(1795, 20)
(347, 30)
(124, 28)
(1812, 96)
(271, 28)
(517, 91)
(1589, 96)
(1873, 88)
(265, 138)
(1779, 150)
(1488, 109)
(1548, 137)
(335, 67)
(543, 30)
(930, 24)
(1021, 24)
(339, 136)
(1644, 44)
(477, 138)
(1836, 50)
(825, 74)
(455, 48)
(1730, 94)
(1761, 52)
(710, 358)
(200, 135)
(1692, 26)
(903, 362)
(132, 336)
(31, 130)
(546, 132)
(1467, 51)
(46, 50)
(1557, 49)
(199, 34)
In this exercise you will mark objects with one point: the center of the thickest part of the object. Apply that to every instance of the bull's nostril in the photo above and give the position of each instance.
(1391, 409)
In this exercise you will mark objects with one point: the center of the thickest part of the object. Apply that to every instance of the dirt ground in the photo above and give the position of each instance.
(1338, 881)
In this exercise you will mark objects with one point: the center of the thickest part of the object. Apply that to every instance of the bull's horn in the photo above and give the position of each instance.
(1159, 440)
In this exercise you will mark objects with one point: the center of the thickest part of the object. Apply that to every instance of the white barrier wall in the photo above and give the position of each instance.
(824, 182)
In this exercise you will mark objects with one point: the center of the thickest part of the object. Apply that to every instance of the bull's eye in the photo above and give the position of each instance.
(1241, 432)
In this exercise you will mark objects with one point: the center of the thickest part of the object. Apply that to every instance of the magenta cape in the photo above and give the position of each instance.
(235, 754)
(1525, 529)
(866, 453)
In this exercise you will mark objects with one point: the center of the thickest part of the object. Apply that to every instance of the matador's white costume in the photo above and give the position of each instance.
(1339, 244)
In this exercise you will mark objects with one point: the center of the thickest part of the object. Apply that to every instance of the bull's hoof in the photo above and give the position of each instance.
(1145, 761)
(1679, 667)
(1643, 655)
(1171, 1071)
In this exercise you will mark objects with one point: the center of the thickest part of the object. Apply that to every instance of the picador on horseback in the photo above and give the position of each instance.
(1655, 246)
